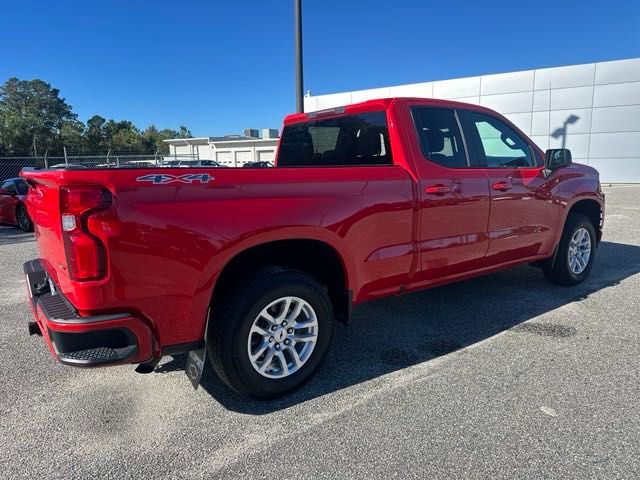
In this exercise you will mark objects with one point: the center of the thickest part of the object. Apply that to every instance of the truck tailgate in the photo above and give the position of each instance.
(43, 203)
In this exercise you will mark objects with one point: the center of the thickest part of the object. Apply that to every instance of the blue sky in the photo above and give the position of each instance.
(218, 67)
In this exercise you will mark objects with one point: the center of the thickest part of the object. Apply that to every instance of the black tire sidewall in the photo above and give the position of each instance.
(30, 224)
(575, 222)
(234, 360)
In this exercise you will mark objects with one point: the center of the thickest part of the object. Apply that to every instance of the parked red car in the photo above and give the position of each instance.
(13, 211)
(369, 200)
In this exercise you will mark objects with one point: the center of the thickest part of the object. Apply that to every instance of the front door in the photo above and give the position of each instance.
(522, 215)
(454, 197)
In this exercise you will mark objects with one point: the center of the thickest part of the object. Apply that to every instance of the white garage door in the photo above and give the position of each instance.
(182, 150)
(242, 157)
(203, 152)
(225, 158)
(266, 155)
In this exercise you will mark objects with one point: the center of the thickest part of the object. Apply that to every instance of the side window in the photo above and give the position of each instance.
(349, 140)
(499, 145)
(9, 186)
(440, 136)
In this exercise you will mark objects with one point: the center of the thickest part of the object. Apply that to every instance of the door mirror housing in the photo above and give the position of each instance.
(556, 158)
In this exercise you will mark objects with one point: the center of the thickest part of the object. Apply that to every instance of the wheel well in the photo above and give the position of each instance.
(592, 210)
(315, 258)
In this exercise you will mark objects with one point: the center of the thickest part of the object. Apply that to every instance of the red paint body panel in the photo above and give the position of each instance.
(167, 244)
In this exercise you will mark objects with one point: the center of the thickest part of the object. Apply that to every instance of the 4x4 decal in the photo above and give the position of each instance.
(164, 178)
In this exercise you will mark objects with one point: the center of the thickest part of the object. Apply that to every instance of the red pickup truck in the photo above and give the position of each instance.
(254, 265)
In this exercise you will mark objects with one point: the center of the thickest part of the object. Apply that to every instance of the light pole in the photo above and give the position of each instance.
(297, 13)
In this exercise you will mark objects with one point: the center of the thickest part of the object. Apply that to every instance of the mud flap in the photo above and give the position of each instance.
(195, 365)
(196, 359)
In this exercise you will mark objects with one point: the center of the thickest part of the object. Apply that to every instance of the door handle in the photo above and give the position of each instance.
(437, 189)
(501, 186)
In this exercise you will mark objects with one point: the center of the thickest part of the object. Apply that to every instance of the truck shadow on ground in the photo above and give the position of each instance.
(10, 235)
(395, 333)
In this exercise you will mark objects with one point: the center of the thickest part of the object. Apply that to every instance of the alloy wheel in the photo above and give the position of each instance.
(282, 337)
(579, 251)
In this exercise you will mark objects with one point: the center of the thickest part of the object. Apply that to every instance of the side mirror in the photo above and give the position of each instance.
(556, 158)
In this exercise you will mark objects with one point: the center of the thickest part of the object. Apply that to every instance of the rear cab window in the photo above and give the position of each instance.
(349, 140)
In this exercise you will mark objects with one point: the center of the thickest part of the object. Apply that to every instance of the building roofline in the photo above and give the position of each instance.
(208, 140)
(186, 141)
(245, 140)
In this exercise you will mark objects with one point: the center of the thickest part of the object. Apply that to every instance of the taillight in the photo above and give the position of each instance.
(86, 257)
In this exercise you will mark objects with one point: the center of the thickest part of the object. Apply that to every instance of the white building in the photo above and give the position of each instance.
(231, 150)
(596, 105)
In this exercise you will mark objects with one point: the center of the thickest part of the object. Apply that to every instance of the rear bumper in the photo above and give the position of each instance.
(83, 341)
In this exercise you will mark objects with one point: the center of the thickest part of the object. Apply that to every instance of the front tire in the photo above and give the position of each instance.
(22, 219)
(576, 252)
(270, 332)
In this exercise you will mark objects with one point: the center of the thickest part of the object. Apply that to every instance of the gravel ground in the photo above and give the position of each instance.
(499, 377)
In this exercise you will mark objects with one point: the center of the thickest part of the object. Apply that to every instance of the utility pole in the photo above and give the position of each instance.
(297, 13)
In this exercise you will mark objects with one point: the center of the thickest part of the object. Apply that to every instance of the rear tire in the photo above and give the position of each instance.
(255, 331)
(22, 219)
(576, 252)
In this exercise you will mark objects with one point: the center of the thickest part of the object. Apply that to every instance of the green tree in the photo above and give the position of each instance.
(32, 114)
(34, 119)
(95, 135)
(122, 136)
(72, 136)
(153, 139)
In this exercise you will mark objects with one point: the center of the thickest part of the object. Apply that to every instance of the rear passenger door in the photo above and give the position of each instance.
(522, 215)
(454, 196)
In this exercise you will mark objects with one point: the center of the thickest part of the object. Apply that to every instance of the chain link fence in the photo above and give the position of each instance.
(11, 167)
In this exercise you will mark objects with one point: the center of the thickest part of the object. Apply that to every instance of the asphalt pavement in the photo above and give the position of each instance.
(504, 376)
